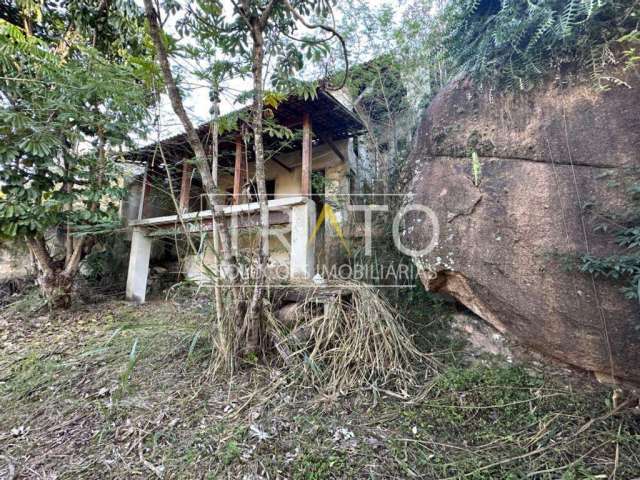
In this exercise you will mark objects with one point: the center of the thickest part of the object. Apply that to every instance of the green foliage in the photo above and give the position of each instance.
(311, 466)
(519, 413)
(61, 113)
(231, 452)
(110, 27)
(513, 44)
(387, 83)
(318, 182)
(31, 373)
(625, 230)
(476, 168)
(378, 84)
(631, 42)
(229, 37)
(127, 372)
(115, 27)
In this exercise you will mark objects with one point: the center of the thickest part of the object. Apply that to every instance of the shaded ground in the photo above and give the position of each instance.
(119, 391)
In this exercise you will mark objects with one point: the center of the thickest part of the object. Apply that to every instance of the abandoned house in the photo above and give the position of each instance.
(311, 172)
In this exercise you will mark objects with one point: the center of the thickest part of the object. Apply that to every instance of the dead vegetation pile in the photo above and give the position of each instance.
(336, 338)
(351, 340)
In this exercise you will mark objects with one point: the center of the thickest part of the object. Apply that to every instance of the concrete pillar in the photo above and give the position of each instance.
(138, 266)
(336, 194)
(303, 220)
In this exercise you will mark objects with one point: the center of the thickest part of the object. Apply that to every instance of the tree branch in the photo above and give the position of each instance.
(74, 261)
(39, 250)
(266, 13)
(326, 28)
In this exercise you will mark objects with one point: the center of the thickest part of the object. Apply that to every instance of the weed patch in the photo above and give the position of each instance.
(87, 404)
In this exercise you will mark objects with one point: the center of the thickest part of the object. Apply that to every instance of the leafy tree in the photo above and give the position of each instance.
(240, 44)
(110, 26)
(384, 85)
(66, 110)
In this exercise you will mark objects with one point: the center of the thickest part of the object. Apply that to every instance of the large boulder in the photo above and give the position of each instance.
(550, 161)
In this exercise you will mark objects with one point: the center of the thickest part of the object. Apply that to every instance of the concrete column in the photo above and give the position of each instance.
(336, 194)
(303, 220)
(144, 192)
(138, 266)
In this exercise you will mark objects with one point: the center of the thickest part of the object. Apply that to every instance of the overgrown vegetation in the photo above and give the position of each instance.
(115, 391)
(67, 108)
(516, 44)
(105, 267)
(624, 228)
(261, 42)
(353, 341)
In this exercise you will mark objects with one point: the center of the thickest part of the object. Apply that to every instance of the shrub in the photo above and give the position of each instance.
(514, 43)
(625, 229)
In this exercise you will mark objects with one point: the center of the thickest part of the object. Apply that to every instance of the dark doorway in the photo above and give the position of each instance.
(271, 190)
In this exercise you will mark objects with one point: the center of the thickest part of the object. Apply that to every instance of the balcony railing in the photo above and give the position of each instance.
(297, 211)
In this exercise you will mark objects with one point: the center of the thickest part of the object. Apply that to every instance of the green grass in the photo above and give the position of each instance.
(320, 465)
(505, 422)
(93, 406)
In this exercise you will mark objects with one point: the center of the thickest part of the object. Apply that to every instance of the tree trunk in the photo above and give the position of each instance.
(215, 104)
(56, 283)
(210, 186)
(228, 328)
(57, 289)
(252, 327)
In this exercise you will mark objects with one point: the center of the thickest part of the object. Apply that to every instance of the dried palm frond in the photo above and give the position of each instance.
(347, 340)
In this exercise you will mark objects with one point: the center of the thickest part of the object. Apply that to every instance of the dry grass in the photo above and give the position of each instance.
(79, 401)
(339, 339)
(353, 340)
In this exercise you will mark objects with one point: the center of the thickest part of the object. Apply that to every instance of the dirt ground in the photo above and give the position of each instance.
(114, 390)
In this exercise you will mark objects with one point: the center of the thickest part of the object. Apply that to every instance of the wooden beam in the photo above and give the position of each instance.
(305, 185)
(275, 160)
(237, 173)
(185, 186)
(332, 146)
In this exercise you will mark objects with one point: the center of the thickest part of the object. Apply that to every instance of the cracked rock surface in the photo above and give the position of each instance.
(552, 163)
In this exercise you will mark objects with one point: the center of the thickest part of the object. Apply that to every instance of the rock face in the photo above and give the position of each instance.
(548, 163)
